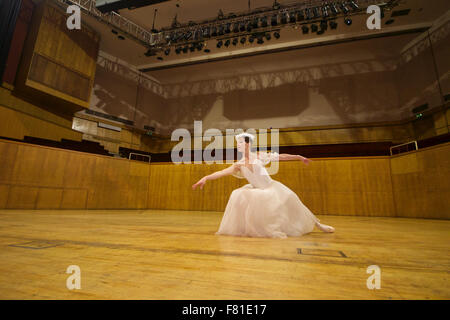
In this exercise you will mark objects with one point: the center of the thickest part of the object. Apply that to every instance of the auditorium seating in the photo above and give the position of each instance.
(82, 146)
(309, 151)
(313, 151)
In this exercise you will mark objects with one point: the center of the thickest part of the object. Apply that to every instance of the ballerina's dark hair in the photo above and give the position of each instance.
(247, 139)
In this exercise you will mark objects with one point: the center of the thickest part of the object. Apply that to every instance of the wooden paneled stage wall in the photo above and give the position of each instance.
(58, 65)
(410, 185)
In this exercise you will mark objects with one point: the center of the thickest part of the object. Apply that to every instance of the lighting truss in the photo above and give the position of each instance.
(115, 20)
(165, 38)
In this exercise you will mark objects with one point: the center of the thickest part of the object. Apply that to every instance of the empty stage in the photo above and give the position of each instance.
(157, 254)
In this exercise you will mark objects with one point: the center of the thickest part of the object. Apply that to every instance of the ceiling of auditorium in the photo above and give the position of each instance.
(422, 15)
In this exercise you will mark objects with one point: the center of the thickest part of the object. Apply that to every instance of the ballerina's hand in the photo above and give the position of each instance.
(200, 184)
(306, 161)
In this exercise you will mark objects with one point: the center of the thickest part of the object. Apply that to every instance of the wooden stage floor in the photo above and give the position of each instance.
(157, 254)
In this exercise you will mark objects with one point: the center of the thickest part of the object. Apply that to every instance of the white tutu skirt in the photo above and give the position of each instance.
(275, 212)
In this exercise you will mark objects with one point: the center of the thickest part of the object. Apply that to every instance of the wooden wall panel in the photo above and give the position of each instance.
(76, 49)
(348, 186)
(137, 188)
(74, 199)
(4, 193)
(22, 197)
(48, 73)
(8, 158)
(421, 183)
(49, 198)
(20, 118)
(58, 65)
(415, 184)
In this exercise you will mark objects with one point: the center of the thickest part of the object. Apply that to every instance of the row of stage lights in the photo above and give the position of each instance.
(193, 38)
(325, 12)
(260, 37)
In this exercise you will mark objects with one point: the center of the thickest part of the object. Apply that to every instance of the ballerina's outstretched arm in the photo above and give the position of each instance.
(288, 157)
(216, 175)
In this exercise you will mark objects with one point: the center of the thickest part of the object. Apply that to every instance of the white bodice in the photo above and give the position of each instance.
(257, 175)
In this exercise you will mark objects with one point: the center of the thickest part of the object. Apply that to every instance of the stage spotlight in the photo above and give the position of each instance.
(300, 15)
(268, 36)
(167, 37)
(305, 29)
(260, 39)
(333, 24)
(220, 32)
(274, 20)
(235, 41)
(219, 44)
(150, 53)
(283, 19)
(325, 13)
(243, 39)
(173, 37)
(227, 43)
(236, 27)
(292, 18)
(264, 22)
(316, 12)
(314, 28)
(308, 13)
(167, 51)
(354, 6)
(276, 34)
(255, 23)
(344, 8)
(180, 36)
(334, 9)
(206, 32)
(197, 34)
(348, 21)
(214, 32)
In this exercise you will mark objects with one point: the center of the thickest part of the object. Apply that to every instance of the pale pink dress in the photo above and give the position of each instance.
(264, 207)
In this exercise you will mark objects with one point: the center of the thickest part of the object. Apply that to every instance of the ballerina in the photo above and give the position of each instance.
(264, 207)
